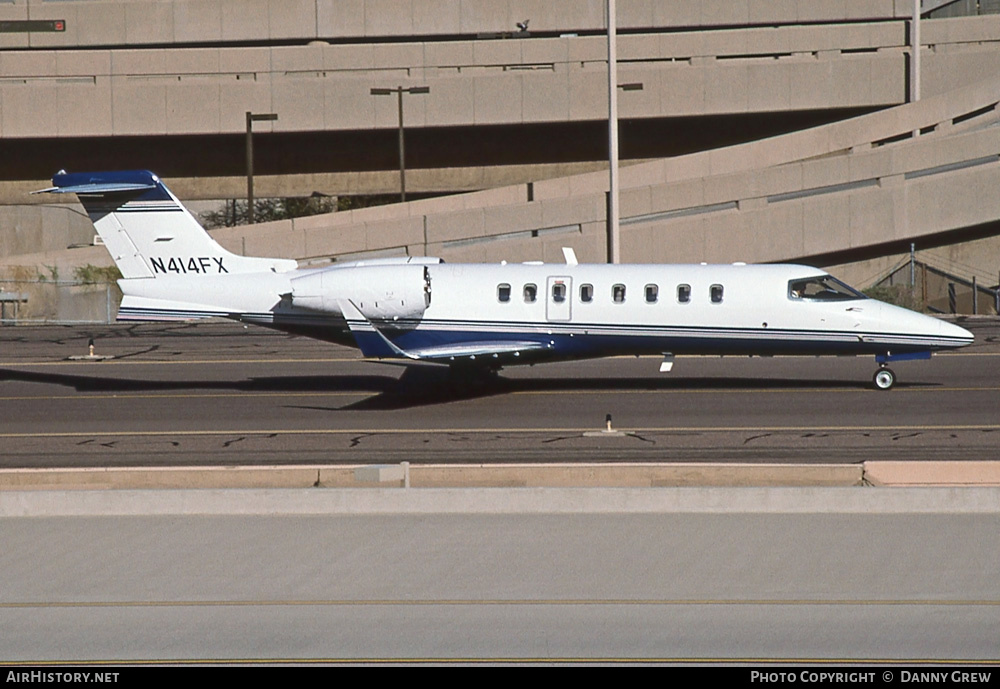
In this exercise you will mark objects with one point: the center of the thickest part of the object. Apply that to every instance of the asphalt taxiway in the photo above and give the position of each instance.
(221, 393)
(375, 575)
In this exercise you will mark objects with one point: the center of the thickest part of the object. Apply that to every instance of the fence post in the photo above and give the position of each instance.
(913, 266)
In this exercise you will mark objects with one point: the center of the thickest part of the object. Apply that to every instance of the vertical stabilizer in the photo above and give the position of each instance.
(147, 230)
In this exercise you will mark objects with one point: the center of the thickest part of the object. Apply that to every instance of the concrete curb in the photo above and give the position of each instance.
(367, 501)
(638, 475)
(933, 473)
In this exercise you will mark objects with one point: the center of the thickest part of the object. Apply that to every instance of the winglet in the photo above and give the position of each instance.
(570, 256)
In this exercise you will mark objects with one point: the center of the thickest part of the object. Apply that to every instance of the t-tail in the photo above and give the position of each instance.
(147, 230)
(171, 268)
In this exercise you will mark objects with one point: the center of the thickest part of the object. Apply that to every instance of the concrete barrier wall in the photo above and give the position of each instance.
(842, 186)
(117, 91)
(324, 87)
(862, 196)
(144, 22)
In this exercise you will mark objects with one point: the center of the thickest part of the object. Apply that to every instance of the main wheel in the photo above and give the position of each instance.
(884, 379)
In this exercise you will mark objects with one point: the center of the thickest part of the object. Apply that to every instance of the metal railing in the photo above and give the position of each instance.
(916, 273)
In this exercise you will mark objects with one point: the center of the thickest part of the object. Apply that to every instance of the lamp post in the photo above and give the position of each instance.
(399, 91)
(251, 118)
(915, 53)
(614, 238)
(614, 251)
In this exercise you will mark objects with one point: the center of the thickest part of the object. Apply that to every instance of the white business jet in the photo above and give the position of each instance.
(486, 316)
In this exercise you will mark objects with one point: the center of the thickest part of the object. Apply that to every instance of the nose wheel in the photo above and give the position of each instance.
(884, 378)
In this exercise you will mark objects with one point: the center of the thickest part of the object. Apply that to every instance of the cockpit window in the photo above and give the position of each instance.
(823, 288)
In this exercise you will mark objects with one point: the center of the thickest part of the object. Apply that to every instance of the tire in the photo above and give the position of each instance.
(884, 379)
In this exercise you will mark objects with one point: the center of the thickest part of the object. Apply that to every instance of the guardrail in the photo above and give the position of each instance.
(916, 271)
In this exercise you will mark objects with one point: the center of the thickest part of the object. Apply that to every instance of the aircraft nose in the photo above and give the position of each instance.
(958, 333)
(941, 334)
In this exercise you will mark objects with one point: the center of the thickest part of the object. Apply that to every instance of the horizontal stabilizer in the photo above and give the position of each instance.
(97, 188)
(99, 183)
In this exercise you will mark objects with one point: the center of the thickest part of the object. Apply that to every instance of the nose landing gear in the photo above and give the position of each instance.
(885, 377)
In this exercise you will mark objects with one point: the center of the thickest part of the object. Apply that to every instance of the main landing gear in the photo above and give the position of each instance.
(884, 378)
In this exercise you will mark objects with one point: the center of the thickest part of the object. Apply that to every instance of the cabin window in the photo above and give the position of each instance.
(558, 292)
(683, 294)
(530, 293)
(716, 293)
(503, 292)
(618, 293)
(652, 294)
(823, 288)
(586, 293)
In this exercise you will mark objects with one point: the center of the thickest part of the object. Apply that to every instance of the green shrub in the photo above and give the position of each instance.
(900, 295)
(97, 275)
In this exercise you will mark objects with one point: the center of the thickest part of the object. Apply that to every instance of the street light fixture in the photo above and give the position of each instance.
(251, 118)
(399, 91)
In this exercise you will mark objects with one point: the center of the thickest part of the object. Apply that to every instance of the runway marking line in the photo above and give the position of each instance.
(626, 432)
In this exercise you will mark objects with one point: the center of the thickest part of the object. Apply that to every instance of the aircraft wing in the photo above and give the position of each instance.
(480, 348)
(373, 343)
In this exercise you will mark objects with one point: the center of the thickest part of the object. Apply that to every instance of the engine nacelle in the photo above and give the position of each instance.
(378, 291)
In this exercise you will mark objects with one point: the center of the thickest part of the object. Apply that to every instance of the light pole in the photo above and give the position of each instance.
(614, 235)
(915, 53)
(614, 238)
(251, 118)
(399, 91)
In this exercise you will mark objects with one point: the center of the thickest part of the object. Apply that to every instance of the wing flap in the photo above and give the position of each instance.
(373, 343)
(478, 348)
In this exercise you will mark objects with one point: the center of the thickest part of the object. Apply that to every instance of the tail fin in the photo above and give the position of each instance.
(148, 231)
